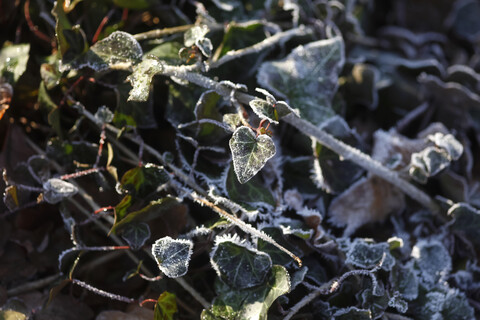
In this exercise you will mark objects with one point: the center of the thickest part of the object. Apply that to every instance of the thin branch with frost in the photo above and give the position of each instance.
(280, 37)
(244, 226)
(344, 150)
(102, 293)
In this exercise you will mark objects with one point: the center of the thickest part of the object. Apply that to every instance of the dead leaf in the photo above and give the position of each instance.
(368, 200)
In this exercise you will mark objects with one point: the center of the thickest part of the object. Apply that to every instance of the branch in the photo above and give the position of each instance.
(342, 149)
(280, 37)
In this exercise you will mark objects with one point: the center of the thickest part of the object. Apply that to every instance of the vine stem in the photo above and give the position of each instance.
(268, 42)
(344, 150)
(245, 226)
(158, 33)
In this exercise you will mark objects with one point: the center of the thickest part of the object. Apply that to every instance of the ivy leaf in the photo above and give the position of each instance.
(405, 281)
(196, 36)
(165, 307)
(270, 110)
(13, 61)
(172, 256)
(118, 48)
(433, 260)
(250, 153)
(367, 255)
(153, 210)
(141, 78)
(253, 303)
(307, 77)
(427, 163)
(238, 265)
(141, 181)
(55, 190)
(467, 221)
(136, 234)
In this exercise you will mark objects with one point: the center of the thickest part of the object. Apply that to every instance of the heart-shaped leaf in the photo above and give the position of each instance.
(250, 153)
(172, 255)
(135, 234)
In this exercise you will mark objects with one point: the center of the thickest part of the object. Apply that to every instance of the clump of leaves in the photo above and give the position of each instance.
(243, 160)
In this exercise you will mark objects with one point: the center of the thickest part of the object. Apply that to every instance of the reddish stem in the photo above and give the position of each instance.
(104, 209)
(124, 14)
(100, 146)
(101, 26)
(32, 26)
(81, 173)
(62, 102)
(147, 300)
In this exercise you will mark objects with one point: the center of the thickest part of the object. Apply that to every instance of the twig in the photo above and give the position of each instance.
(37, 284)
(103, 293)
(342, 149)
(244, 226)
(32, 26)
(158, 33)
(268, 42)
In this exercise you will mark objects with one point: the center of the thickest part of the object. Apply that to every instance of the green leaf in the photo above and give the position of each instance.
(136, 234)
(253, 303)
(307, 77)
(207, 108)
(249, 193)
(172, 255)
(153, 210)
(13, 61)
(278, 257)
(238, 265)
(138, 114)
(250, 153)
(467, 221)
(165, 307)
(404, 280)
(46, 102)
(141, 181)
(141, 78)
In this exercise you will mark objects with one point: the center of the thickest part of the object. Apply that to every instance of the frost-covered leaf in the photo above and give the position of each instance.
(307, 77)
(141, 78)
(375, 303)
(250, 153)
(118, 48)
(271, 112)
(427, 163)
(352, 313)
(136, 234)
(13, 61)
(104, 115)
(239, 265)
(404, 280)
(196, 36)
(55, 190)
(378, 199)
(448, 142)
(398, 303)
(467, 221)
(433, 261)
(253, 303)
(172, 255)
(165, 307)
(368, 255)
(456, 306)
